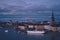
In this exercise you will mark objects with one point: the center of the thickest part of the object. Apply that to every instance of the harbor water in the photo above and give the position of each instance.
(12, 34)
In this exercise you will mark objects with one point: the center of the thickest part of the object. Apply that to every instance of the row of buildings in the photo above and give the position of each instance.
(52, 25)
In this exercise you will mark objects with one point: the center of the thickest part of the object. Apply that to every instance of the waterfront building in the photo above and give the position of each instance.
(30, 25)
(21, 26)
(37, 26)
(53, 25)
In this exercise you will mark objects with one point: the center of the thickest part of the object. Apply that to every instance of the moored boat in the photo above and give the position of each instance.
(35, 32)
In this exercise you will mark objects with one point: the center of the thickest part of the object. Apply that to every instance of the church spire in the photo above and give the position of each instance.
(52, 16)
(52, 19)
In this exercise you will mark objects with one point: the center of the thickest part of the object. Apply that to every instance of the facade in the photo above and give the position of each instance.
(53, 25)
(55, 28)
(36, 26)
(39, 27)
(21, 27)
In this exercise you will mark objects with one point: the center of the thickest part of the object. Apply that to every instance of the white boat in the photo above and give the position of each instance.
(35, 32)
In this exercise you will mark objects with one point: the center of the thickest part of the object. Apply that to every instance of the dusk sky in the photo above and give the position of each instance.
(29, 9)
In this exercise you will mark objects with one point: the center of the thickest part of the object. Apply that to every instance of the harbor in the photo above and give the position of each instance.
(11, 34)
(30, 30)
(29, 19)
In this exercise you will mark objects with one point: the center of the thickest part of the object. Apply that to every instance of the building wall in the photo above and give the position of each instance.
(58, 28)
(52, 28)
(47, 27)
(21, 27)
(39, 27)
(30, 26)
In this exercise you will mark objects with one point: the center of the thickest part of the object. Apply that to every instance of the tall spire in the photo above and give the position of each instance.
(52, 19)
(52, 16)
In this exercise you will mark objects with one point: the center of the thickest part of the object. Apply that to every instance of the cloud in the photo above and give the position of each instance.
(29, 9)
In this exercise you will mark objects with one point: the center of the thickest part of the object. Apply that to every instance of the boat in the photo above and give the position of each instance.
(6, 30)
(35, 32)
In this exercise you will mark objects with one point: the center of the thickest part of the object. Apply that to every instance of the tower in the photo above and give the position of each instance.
(52, 19)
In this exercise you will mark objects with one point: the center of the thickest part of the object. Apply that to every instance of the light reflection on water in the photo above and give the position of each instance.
(18, 35)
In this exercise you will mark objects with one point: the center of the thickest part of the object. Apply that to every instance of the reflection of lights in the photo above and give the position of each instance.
(6, 30)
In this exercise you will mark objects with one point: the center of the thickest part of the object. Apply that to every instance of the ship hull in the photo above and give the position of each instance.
(35, 32)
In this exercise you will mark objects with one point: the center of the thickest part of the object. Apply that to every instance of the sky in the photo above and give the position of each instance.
(22, 10)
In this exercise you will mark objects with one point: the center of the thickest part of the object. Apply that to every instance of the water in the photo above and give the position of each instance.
(11, 34)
